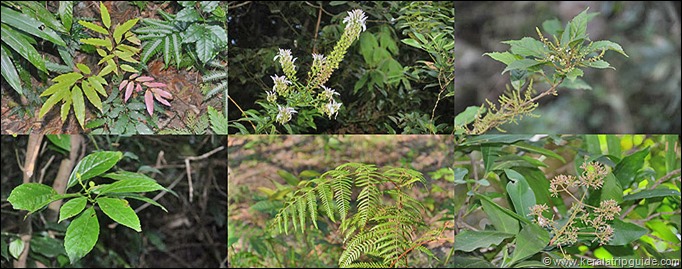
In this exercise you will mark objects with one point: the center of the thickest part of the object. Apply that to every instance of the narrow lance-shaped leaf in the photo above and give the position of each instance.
(104, 12)
(78, 104)
(9, 72)
(121, 29)
(131, 185)
(18, 43)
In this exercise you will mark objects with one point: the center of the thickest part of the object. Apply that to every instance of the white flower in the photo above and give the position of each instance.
(272, 96)
(285, 55)
(280, 80)
(355, 17)
(319, 57)
(284, 114)
(332, 108)
(328, 93)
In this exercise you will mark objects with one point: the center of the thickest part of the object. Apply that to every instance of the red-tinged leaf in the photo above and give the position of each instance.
(129, 91)
(149, 101)
(133, 76)
(138, 88)
(160, 99)
(162, 93)
(154, 84)
(123, 84)
(144, 79)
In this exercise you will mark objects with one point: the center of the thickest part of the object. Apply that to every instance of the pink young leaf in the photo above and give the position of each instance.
(133, 76)
(129, 91)
(144, 79)
(149, 101)
(160, 99)
(138, 88)
(122, 85)
(154, 84)
(162, 93)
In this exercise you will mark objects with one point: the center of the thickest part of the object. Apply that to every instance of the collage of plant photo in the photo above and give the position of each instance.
(329, 134)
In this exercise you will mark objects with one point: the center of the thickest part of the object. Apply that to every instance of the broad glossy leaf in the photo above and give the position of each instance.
(47, 246)
(120, 211)
(72, 207)
(578, 26)
(31, 196)
(104, 13)
(78, 104)
(611, 189)
(531, 240)
(143, 199)
(490, 154)
(19, 44)
(131, 185)
(626, 169)
(495, 139)
(468, 241)
(217, 35)
(600, 64)
(38, 11)
(205, 50)
(651, 194)
(468, 115)
(519, 191)
(543, 151)
(9, 72)
(411, 42)
(94, 165)
(16, 247)
(521, 65)
(625, 232)
(127, 175)
(502, 221)
(188, 14)
(66, 14)
(598, 46)
(81, 235)
(62, 141)
(97, 42)
(29, 25)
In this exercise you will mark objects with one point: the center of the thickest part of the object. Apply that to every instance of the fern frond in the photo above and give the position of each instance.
(214, 75)
(368, 265)
(312, 207)
(342, 191)
(325, 194)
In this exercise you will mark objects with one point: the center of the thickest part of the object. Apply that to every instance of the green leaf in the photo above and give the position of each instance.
(651, 194)
(539, 150)
(468, 115)
(30, 26)
(670, 154)
(72, 207)
(502, 221)
(47, 246)
(519, 191)
(16, 247)
(97, 42)
(38, 11)
(412, 42)
(83, 68)
(521, 65)
(92, 95)
(598, 46)
(31, 196)
(574, 73)
(662, 230)
(578, 84)
(61, 141)
(626, 169)
(611, 189)
(471, 262)
(120, 211)
(578, 26)
(94, 27)
(19, 44)
(218, 121)
(504, 57)
(128, 68)
(490, 154)
(625, 232)
(468, 241)
(600, 64)
(528, 47)
(78, 104)
(94, 165)
(96, 83)
(495, 139)
(104, 12)
(613, 145)
(66, 14)
(143, 199)
(123, 28)
(531, 240)
(131, 185)
(9, 72)
(204, 49)
(288, 177)
(188, 14)
(127, 175)
(81, 235)
(552, 27)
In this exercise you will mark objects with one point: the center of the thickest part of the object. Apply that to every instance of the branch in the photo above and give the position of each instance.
(189, 171)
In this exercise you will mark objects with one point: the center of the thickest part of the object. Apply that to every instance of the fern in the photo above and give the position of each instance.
(376, 233)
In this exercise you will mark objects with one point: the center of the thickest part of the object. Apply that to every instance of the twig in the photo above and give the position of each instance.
(243, 113)
(317, 28)
(189, 171)
(44, 169)
(238, 5)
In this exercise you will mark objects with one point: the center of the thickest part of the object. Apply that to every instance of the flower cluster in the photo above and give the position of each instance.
(299, 95)
(594, 219)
